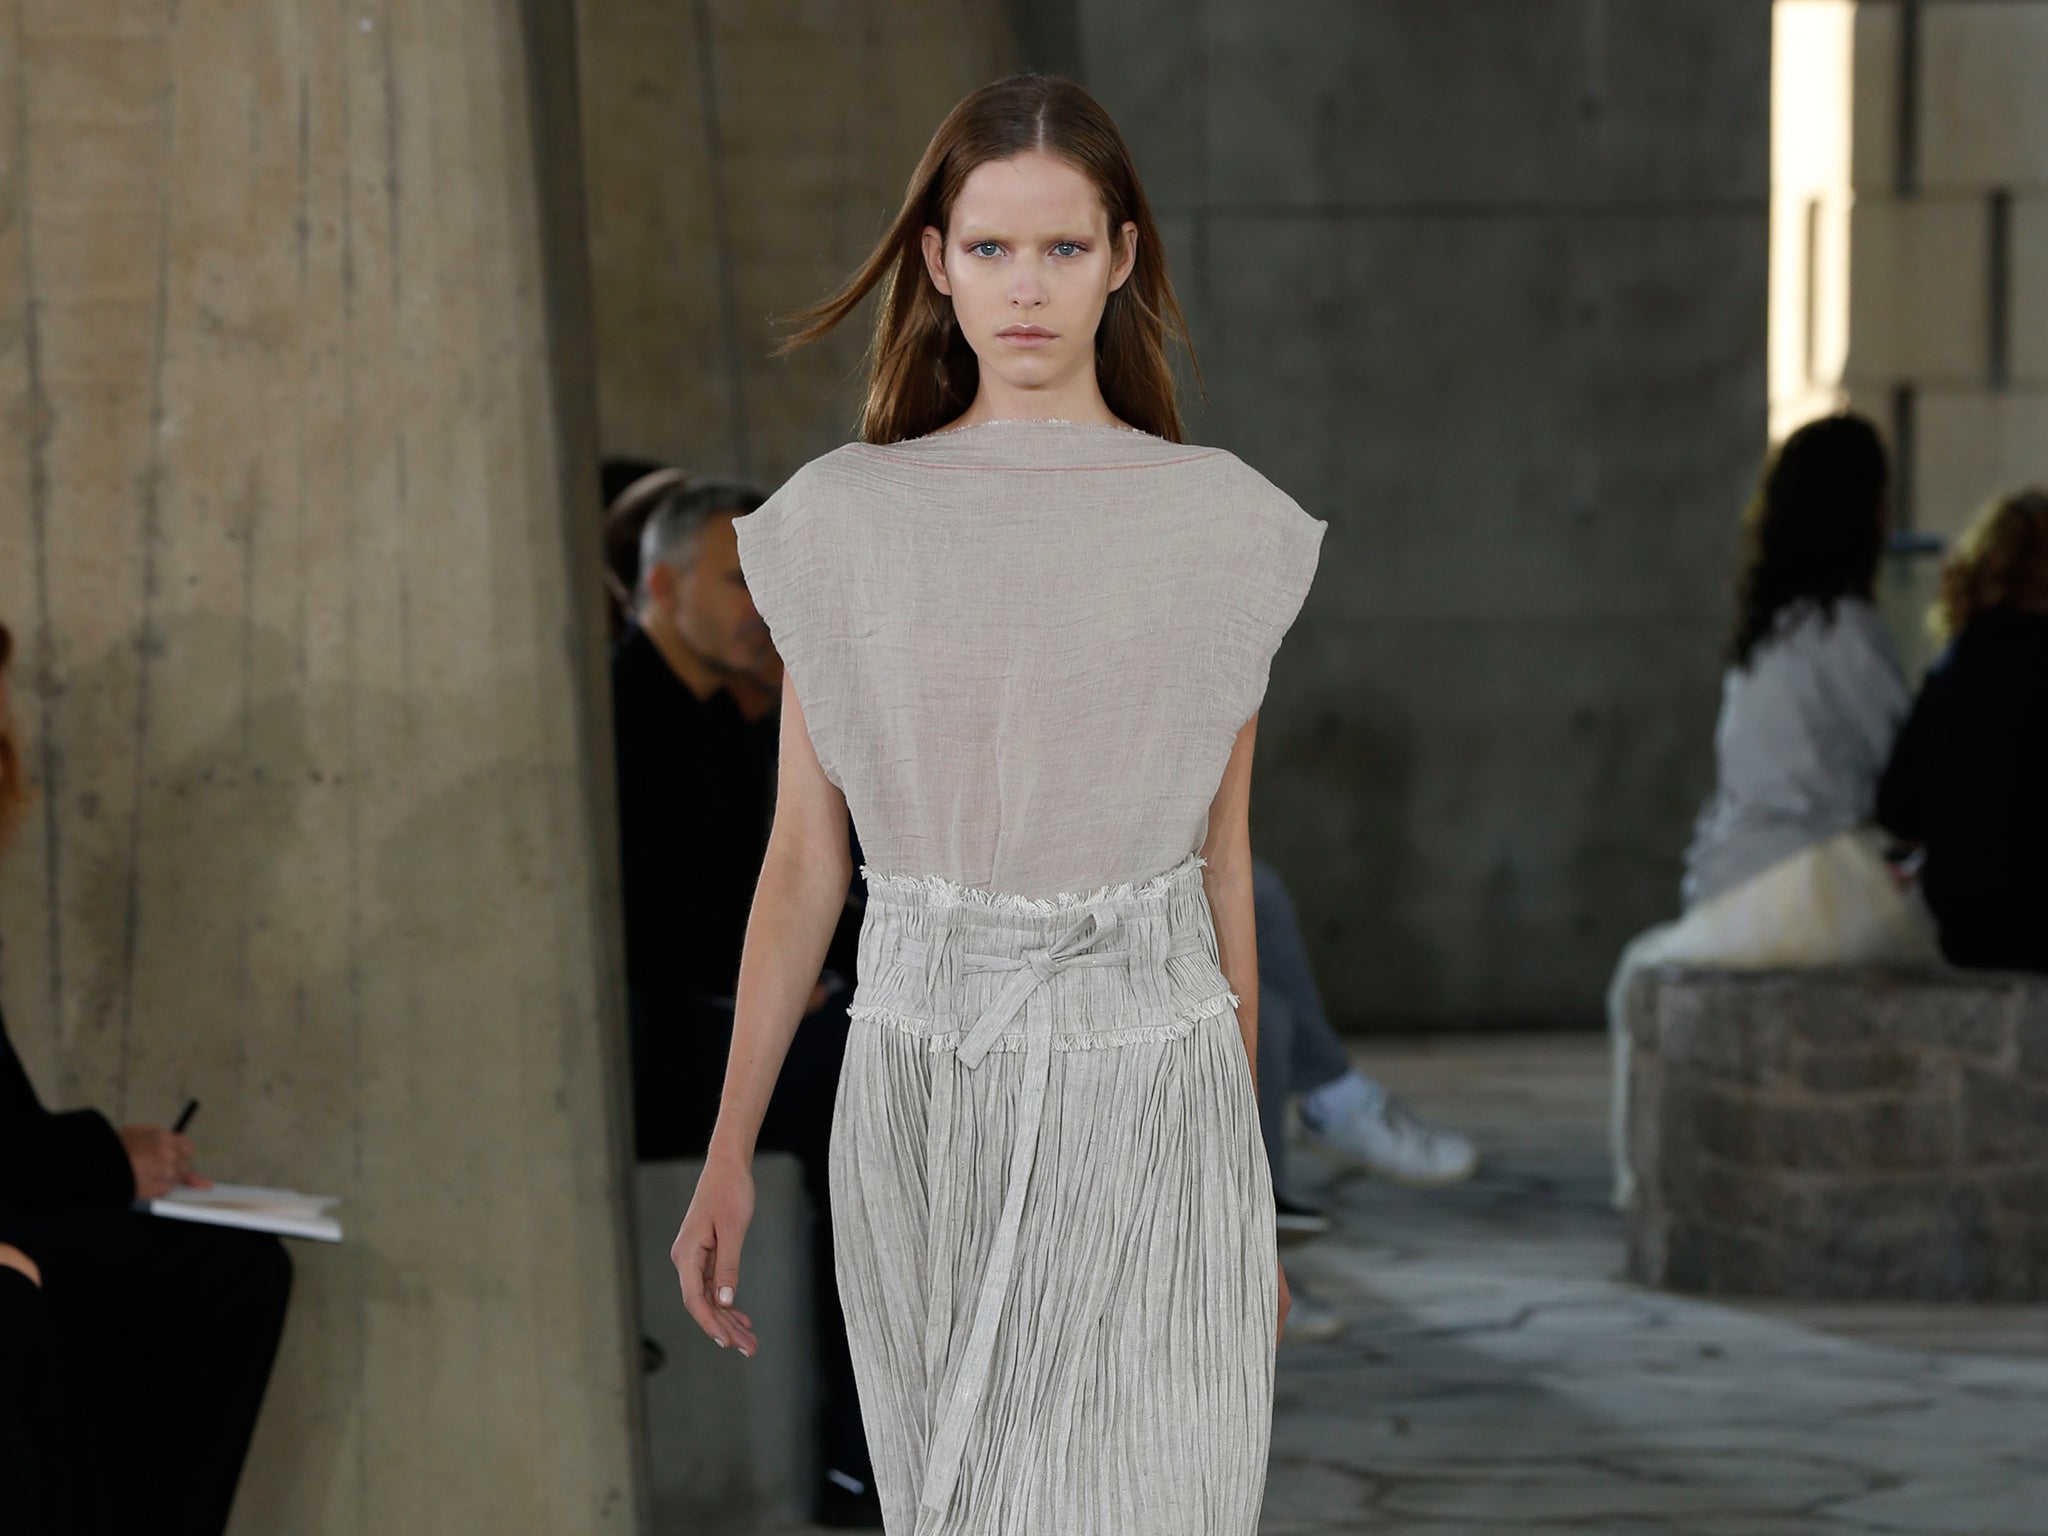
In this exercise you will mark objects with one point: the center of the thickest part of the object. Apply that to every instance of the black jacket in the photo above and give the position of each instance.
(54, 1162)
(1969, 779)
(696, 783)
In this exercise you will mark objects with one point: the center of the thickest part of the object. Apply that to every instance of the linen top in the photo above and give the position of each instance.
(1024, 649)
(1804, 734)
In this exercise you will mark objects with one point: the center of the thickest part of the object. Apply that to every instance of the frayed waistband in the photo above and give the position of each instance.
(1125, 963)
(937, 891)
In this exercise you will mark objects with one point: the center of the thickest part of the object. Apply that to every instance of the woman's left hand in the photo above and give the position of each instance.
(162, 1161)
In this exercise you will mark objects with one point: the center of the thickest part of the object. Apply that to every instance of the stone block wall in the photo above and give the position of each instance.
(1843, 1134)
(1909, 232)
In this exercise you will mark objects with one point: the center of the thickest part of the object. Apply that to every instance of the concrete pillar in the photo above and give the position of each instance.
(1910, 236)
(743, 157)
(309, 674)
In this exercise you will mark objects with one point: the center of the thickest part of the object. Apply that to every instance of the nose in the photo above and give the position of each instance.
(1026, 291)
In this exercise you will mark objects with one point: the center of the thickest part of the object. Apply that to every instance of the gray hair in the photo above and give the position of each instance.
(677, 522)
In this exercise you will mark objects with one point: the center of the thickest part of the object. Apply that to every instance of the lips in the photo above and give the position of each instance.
(1025, 335)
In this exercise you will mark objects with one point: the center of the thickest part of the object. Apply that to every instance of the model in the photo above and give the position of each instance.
(1026, 633)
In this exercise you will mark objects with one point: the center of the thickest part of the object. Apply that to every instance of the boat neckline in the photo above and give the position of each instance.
(1023, 421)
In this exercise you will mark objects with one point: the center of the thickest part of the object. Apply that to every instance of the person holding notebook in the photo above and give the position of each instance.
(134, 1352)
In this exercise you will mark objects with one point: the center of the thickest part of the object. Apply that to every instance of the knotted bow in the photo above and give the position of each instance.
(1033, 969)
(1036, 965)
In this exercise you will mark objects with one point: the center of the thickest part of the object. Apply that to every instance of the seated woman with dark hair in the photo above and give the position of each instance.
(134, 1351)
(1785, 867)
(1969, 777)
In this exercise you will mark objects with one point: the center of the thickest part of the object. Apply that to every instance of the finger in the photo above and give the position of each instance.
(740, 1325)
(690, 1255)
(739, 1328)
(727, 1274)
(181, 1144)
(687, 1254)
(743, 1340)
(725, 1281)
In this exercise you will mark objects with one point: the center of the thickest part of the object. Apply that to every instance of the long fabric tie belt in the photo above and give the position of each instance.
(1037, 965)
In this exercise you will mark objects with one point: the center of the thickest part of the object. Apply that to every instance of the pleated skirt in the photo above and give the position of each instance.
(1053, 1216)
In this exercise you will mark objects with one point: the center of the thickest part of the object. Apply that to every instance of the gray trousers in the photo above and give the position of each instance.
(1298, 1050)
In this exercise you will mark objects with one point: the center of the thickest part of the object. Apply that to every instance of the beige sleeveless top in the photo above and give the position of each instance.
(1025, 648)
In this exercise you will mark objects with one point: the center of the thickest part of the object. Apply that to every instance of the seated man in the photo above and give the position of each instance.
(695, 688)
(632, 488)
(134, 1351)
(1343, 1112)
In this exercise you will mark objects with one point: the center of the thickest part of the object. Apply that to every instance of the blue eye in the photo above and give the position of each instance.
(977, 247)
(1068, 247)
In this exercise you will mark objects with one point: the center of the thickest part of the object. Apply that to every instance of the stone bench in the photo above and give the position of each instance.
(731, 1442)
(1840, 1134)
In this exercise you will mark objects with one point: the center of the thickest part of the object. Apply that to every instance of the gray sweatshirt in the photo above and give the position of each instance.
(1804, 734)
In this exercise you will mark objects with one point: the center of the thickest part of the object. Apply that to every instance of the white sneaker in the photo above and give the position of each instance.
(1361, 1123)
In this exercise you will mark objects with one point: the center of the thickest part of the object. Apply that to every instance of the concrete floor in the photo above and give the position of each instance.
(1499, 1375)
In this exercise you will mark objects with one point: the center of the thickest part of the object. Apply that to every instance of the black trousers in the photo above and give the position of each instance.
(680, 1048)
(53, 1473)
(153, 1341)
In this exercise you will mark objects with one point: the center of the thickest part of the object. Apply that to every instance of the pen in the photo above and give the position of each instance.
(185, 1116)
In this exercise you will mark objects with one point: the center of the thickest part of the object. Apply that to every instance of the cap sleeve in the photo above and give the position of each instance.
(1274, 565)
(789, 577)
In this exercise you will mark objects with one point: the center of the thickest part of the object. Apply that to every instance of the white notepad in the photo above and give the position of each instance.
(283, 1211)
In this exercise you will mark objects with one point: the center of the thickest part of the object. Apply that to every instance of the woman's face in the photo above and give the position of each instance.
(1029, 266)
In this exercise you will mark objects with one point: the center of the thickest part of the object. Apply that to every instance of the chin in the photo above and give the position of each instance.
(1027, 370)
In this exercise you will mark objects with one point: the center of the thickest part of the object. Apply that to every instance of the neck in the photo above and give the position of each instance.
(756, 699)
(1079, 400)
(695, 671)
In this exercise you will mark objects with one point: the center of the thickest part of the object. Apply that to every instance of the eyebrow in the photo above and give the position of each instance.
(984, 232)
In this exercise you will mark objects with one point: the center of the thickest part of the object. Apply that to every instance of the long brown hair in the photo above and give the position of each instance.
(2000, 562)
(15, 791)
(1814, 531)
(921, 371)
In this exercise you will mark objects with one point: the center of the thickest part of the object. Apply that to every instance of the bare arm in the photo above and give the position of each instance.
(797, 902)
(1227, 877)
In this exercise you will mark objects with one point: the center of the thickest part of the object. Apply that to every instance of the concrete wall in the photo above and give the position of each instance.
(743, 156)
(1910, 236)
(308, 672)
(1483, 284)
